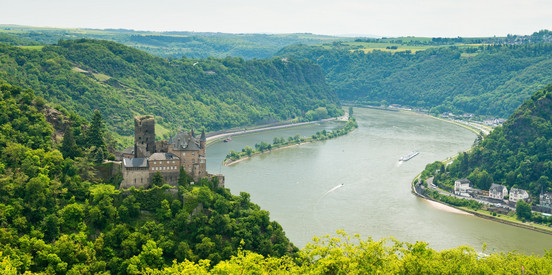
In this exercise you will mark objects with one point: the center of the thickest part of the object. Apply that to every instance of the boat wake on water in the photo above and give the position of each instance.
(333, 189)
(409, 156)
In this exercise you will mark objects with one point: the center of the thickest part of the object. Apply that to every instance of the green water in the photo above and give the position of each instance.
(302, 186)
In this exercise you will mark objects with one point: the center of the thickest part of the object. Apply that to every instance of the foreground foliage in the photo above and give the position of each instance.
(352, 255)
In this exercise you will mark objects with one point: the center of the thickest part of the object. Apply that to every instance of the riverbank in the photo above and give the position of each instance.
(229, 163)
(226, 134)
(473, 126)
(485, 130)
(281, 143)
(482, 213)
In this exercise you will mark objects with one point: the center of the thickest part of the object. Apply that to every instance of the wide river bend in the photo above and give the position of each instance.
(356, 183)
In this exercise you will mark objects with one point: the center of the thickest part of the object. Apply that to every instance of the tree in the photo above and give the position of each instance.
(69, 147)
(99, 156)
(523, 210)
(157, 179)
(183, 179)
(95, 135)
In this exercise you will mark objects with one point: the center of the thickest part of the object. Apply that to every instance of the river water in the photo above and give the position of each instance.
(356, 183)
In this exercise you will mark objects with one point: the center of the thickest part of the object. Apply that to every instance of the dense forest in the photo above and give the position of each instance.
(121, 82)
(490, 80)
(517, 154)
(59, 215)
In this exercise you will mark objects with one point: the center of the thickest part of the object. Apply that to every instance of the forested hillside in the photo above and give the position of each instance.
(487, 80)
(518, 154)
(57, 216)
(121, 82)
(170, 44)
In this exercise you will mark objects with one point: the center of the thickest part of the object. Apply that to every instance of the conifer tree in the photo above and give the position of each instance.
(95, 135)
(157, 179)
(182, 178)
(69, 147)
(99, 156)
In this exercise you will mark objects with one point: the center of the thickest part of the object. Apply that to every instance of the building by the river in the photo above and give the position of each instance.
(148, 156)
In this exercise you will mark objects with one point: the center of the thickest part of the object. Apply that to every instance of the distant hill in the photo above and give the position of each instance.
(490, 80)
(517, 154)
(174, 44)
(83, 75)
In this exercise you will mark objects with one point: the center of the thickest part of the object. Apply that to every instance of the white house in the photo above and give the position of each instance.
(498, 191)
(545, 200)
(518, 194)
(462, 187)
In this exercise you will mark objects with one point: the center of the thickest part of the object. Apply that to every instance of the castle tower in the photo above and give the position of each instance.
(202, 143)
(202, 156)
(144, 136)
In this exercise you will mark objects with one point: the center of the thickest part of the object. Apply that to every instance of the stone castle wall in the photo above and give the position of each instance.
(137, 177)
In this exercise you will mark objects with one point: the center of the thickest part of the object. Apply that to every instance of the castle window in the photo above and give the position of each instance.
(154, 162)
(193, 154)
(141, 180)
(183, 153)
(134, 180)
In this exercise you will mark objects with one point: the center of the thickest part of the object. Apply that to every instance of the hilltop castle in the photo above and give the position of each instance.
(148, 156)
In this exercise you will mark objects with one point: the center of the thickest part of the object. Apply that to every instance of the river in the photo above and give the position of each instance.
(356, 183)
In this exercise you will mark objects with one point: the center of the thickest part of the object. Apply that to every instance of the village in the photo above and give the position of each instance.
(498, 198)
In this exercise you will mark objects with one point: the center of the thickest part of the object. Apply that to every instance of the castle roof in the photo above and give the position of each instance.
(192, 146)
(185, 141)
(135, 162)
(203, 138)
(129, 150)
(162, 156)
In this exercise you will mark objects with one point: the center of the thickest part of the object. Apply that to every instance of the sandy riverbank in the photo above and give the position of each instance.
(262, 129)
(444, 207)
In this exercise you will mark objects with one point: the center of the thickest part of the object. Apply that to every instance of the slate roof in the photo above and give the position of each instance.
(497, 187)
(185, 141)
(162, 156)
(517, 192)
(129, 150)
(135, 162)
(203, 138)
(464, 181)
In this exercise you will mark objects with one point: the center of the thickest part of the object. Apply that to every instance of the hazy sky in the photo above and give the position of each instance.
(433, 18)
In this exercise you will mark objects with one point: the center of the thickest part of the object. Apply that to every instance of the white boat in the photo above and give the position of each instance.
(409, 156)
